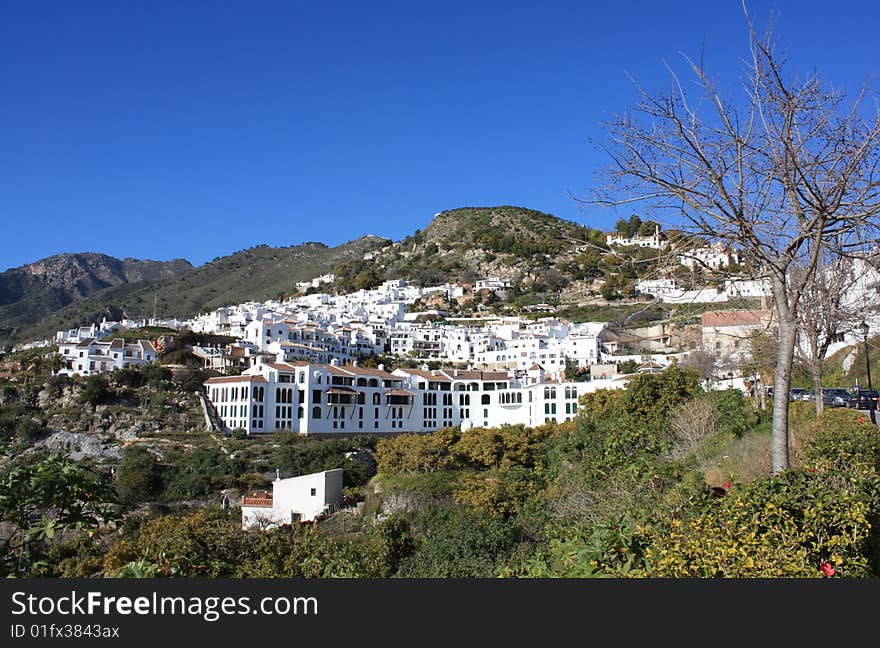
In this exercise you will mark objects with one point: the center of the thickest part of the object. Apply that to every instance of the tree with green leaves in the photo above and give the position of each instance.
(40, 501)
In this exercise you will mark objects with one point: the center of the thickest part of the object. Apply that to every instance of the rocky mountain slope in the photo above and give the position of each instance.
(31, 292)
(533, 250)
(260, 272)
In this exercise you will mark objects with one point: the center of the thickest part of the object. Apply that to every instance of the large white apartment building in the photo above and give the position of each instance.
(325, 399)
(92, 356)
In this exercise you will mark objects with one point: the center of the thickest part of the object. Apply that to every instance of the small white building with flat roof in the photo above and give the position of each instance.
(295, 499)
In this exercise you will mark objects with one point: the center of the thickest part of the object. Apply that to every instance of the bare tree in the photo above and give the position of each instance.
(835, 301)
(692, 421)
(787, 171)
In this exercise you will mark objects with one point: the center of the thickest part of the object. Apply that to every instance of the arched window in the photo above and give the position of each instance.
(484, 399)
(376, 398)
(299, 412)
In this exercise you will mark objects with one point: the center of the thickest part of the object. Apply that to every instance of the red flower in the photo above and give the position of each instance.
(861, 419)
(811, 470)
(726, 484)
(827, 569)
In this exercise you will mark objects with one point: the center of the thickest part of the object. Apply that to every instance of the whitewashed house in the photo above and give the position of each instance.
(716, 256)
(92, 356)
(302, 499)
(655, 241)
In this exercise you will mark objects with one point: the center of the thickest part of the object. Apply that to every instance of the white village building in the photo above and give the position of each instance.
(303, 499)
(92, 356)
(333, 399)
(654, 241)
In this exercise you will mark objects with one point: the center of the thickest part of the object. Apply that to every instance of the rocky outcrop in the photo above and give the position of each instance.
(79, 446)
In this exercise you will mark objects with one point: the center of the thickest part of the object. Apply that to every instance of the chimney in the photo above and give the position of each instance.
(381, 367)
(334, 362)
(277, 474)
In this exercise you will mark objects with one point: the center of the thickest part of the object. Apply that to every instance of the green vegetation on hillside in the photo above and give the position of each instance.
(658, 480)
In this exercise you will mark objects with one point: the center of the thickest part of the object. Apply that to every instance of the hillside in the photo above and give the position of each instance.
(31, 292)
(657, 480)
(533, 250)
(260, 272)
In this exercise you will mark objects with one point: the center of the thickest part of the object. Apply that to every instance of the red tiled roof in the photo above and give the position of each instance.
(734, 318)
(460, 374)
(351, 370)
(257, 501)
(236, 379)
(427, 375)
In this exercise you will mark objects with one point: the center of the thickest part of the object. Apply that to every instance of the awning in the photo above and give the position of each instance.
(345, 391)
(398, 392)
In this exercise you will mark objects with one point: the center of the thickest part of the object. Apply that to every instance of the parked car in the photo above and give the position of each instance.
(795, 393)
(808, 395)
(863, 399)
(835, 396)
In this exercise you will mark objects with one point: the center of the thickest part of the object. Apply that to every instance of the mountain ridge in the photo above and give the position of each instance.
(537, 253)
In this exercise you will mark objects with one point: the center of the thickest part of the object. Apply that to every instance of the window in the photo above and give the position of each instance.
(316, 412)
(314, 492)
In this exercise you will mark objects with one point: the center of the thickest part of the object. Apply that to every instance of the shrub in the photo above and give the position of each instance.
(784, 526)
(417, 453)
(790, 524)
(28, 429)
(95, 390)
(504, 446)
(139, 477)
(498, 493)
(458, 543)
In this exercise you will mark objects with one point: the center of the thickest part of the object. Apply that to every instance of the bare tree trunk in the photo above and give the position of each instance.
(817, 388)
(788, 331)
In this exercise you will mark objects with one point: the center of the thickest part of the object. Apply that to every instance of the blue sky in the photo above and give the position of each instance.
(196, 129)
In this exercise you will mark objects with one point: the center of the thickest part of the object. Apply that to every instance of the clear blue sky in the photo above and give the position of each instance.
(196, 129)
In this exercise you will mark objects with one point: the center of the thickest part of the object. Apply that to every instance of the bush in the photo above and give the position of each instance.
(498, 493)
(139, 477)
(458, 543)
(790, 524)
(418, 453)
(95, 391)
(28, 429)
(504, 446)
(129, 377)
(190, 379)
(156, 375)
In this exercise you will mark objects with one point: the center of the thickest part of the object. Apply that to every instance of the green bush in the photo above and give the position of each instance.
(790, 524)
(28, 429)
(458, 543)
(418, 453)
(95, 391)
(139, 476)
